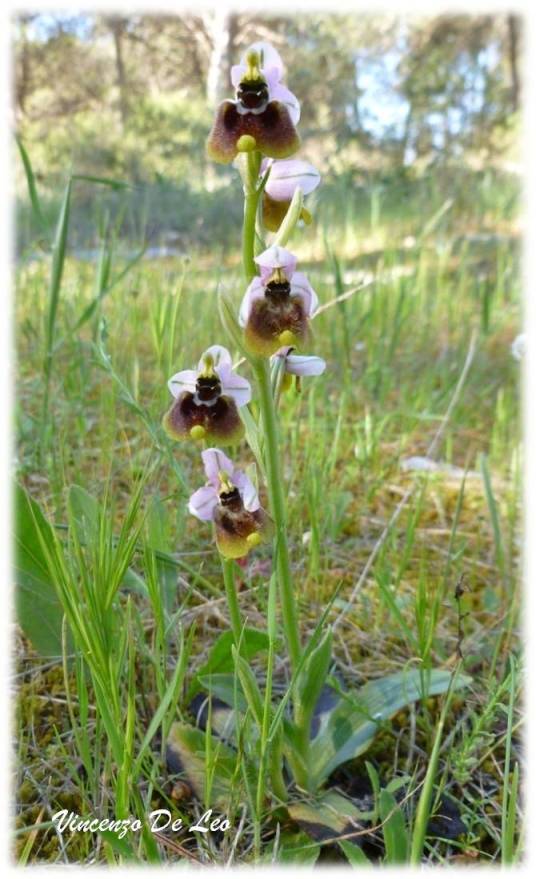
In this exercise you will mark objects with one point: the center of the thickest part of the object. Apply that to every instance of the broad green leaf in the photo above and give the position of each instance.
(293, 848)
(220, 658)
(350, 728)
(355, 855)
(250, 687)
(226, 687)
(39, 611)
(312, 679)
(186, 754)
(328, 817)
(395, 834)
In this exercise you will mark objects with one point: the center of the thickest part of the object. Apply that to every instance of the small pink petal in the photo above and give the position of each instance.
(285, 176)
(220, 356)
(254, 291)
(214, 461)
(300, 286)
(203, 502)
(272, 77)
(276, 257)
(282, 94)
(237, 72)
(182, 381)
(234, 385)
(300, 364)
(248, 491)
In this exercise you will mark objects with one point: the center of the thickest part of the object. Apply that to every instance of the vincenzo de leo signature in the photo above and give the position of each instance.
(157, 821)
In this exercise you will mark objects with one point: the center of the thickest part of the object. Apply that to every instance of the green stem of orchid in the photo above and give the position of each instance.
(251, 203)
(278, 510)
(271, 433)
(232, 599)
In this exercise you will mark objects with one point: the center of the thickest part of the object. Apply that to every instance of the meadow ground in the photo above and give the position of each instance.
(419, 368)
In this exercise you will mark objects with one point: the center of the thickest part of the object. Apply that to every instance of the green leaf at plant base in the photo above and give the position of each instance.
(220, 658)
(227, 688)
(355, 855)
(186, 754)
(292, 848)
(350, 728)
(39, 612)
(395, 833)
(312, 679)
(328, 817)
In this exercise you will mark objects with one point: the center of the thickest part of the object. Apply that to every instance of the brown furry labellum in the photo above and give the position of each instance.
(238, 530)
(218, 418)
(272, 130)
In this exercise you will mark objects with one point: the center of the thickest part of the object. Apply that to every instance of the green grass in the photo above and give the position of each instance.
(91, 730)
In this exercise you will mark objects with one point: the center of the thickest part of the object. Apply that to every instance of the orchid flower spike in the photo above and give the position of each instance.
(230, 500)
(277, 305)
(283, 180)
(298, 365)
(263, 116)
(207, 400)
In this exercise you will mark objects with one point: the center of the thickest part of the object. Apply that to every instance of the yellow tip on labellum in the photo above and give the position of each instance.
(287, 338)
(254, 539)
(246, 143)
(197, 432)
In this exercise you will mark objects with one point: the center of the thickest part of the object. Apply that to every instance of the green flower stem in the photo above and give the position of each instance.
(269, 420)
(277, 506)
(251, 202)
(232, 598)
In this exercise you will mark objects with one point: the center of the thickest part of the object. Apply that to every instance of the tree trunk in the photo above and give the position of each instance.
(117, 26)
(513, 48)
(222, 28)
